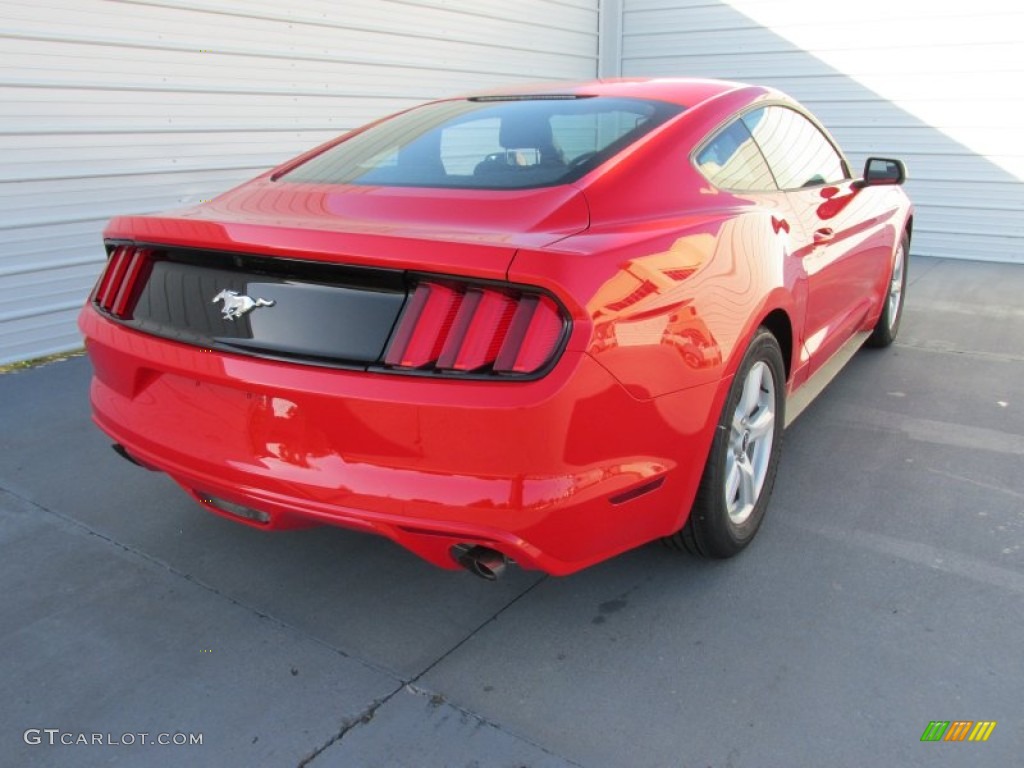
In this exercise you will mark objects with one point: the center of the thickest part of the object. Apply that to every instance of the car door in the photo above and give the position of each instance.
(838, 244)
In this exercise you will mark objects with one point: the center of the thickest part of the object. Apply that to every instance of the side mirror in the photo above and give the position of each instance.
(879, 171)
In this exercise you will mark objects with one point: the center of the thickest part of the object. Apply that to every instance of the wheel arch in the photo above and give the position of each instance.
(778, 322)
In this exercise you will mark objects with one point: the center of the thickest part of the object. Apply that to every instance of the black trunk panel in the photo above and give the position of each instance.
(309, 311)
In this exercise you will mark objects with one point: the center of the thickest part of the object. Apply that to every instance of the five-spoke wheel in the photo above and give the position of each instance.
(750, 443)
(741, 466)
(888, 324)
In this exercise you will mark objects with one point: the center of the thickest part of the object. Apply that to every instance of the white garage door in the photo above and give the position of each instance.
(141, 105)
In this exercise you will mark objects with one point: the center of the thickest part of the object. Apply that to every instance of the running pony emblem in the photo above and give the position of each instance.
(235, 306)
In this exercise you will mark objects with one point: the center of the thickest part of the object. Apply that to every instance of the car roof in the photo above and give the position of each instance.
(687, 91)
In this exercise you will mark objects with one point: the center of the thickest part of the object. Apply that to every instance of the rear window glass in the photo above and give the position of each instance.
(488, 144)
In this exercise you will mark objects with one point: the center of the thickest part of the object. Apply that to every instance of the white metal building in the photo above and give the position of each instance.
(111, 107)
(937, 84)
(120, 106)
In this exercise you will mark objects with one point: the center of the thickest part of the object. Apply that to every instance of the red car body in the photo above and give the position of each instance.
(657, 278)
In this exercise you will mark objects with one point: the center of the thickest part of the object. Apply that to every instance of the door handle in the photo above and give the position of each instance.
(823, 235)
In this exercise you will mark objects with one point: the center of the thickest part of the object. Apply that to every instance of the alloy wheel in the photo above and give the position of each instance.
(750, 443)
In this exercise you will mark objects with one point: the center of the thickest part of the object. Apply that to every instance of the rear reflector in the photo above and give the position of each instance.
(121, 282)
(447, 327)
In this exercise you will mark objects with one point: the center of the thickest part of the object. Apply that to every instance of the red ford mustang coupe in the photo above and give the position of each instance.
(542, 326)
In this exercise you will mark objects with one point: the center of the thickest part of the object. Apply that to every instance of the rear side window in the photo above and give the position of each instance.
(732, 160)
(797, 152)
(488, 143)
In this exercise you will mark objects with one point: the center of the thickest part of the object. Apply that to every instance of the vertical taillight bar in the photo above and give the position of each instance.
(123, 299)
(112, 277)
(449, 327)
(529, 347)
(424, 326)
(122, 280)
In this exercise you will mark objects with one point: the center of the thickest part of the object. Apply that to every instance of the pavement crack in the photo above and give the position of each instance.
(154, 561)
(437, 699)
(944, 348)
(348, 724)
(364, 718)
(978, 483)
(477, 630)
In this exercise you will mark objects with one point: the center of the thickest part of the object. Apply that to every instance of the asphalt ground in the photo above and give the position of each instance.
(885, 591)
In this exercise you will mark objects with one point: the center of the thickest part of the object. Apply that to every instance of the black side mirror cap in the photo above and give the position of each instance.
(880, 171)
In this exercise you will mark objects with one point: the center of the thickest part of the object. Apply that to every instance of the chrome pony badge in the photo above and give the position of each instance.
(235, 306)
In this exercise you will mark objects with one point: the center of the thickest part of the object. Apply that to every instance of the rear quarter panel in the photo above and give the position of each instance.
(673, 276)
(670, 306)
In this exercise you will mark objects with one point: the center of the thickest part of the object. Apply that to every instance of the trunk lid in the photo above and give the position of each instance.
(471, 232)
(314, 273)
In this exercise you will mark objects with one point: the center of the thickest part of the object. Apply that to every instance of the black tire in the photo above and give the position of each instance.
(888, 325)
(710, 530)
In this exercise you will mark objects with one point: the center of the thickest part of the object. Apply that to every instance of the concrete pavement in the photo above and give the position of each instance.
(885, 590)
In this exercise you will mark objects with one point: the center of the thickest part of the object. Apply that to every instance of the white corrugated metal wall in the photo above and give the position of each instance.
(937, 84)
(118, 106)
(121, 106)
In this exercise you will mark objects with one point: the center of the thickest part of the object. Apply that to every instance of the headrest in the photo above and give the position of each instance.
(524, 132)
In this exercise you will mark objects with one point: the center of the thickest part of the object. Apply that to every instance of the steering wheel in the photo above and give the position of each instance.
(581, 159)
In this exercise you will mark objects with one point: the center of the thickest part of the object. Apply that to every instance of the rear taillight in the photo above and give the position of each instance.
(122, 280)
(447, 327)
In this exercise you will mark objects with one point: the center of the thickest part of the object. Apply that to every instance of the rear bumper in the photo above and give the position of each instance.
(557, 473)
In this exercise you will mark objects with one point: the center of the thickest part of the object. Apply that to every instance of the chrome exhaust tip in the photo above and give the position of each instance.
(484, 562)
(121, 451)
(257, 516)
